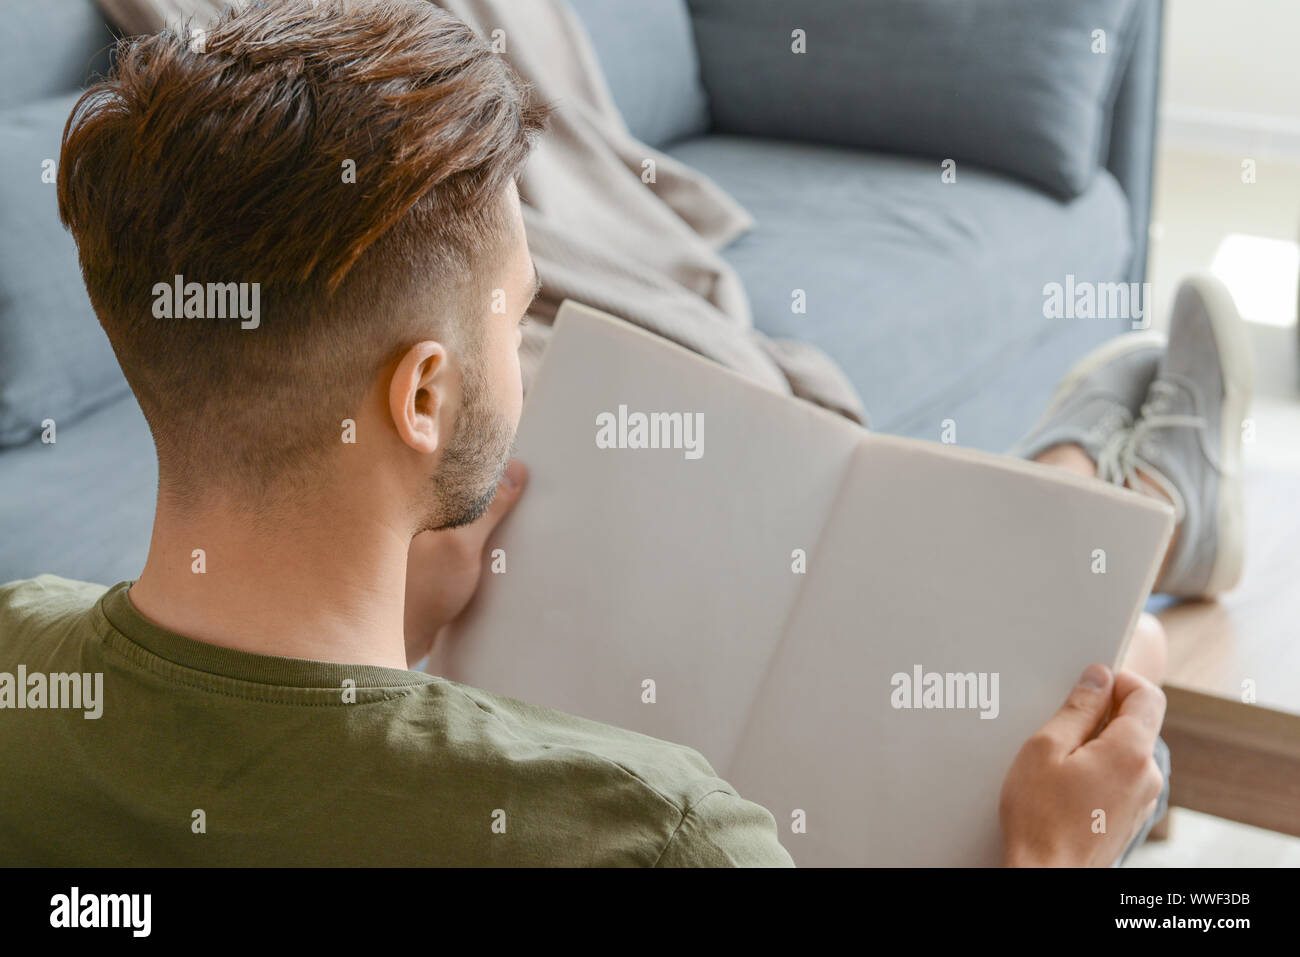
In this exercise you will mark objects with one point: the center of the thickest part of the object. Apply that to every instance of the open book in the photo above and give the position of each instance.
(857, 631)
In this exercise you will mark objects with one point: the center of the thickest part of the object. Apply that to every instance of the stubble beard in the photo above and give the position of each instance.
(466, 481)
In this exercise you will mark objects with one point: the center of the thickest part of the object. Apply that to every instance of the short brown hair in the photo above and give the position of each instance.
(224, 157)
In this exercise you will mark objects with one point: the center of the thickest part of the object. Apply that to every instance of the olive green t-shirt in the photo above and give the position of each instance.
(134, 745)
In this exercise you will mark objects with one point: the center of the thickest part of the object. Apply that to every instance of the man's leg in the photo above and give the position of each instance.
(1165, 418)
(1148, 650)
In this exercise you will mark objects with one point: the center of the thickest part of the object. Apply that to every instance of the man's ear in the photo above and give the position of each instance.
(417, 393)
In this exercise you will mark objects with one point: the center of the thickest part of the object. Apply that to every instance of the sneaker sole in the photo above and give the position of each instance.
(1237, 366)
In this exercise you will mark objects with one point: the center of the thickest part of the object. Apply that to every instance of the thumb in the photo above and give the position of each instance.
(1083, 711)
(511, 486)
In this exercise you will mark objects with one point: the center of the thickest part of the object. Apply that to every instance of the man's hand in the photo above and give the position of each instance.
(443, 568)
(1067, 772)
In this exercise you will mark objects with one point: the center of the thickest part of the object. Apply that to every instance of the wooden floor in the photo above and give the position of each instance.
(1200, 840)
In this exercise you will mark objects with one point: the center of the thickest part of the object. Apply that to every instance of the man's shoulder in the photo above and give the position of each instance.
(38, 614)
(678, 775)
(664, 799)
(44, 601)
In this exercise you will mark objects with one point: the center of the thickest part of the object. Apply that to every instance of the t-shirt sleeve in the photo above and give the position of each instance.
(722, 829)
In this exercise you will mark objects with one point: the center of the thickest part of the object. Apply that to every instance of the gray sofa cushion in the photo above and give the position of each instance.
(82, 507)
(55, 361)
(647, 52)
(924, 292)
(50, 47)
(1009, 84)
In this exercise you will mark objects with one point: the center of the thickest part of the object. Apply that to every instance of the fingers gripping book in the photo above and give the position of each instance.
(857, 631)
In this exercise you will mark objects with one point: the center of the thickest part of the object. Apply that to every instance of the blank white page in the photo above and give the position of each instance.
(960, 563)
(624, 565)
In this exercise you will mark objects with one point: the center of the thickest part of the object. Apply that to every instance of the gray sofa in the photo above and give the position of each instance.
(929, 294)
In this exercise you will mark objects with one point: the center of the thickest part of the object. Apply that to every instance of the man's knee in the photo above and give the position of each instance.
(1148, 649)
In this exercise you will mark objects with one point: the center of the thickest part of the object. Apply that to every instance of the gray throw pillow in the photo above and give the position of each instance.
(1013, 85)
(55, 361)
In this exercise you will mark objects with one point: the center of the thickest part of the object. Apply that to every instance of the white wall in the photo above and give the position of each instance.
(1232, 75)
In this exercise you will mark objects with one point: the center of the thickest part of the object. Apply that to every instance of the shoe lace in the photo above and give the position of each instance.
(1128, 451)
(1115, 419)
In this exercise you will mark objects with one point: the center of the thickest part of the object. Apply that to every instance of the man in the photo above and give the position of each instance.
(328, 476)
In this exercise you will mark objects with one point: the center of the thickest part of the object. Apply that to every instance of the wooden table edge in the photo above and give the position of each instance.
(1233, 760)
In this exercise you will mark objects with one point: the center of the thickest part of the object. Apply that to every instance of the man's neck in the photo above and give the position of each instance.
(327, 583)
